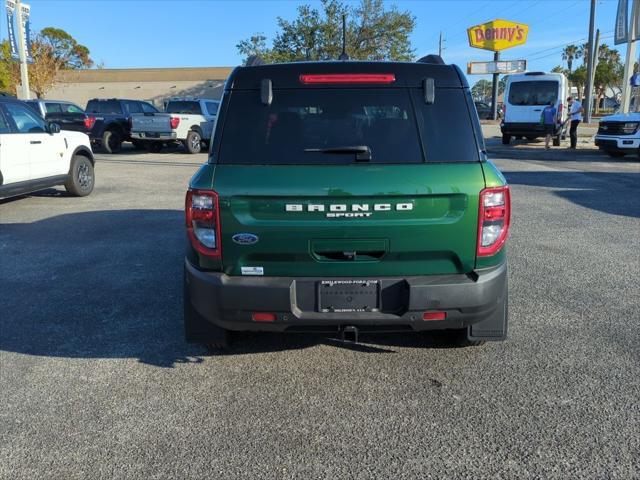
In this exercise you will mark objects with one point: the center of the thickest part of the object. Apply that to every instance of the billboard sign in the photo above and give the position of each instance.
(26, 38)
(497, 35)
(501, 66)
(621, 31)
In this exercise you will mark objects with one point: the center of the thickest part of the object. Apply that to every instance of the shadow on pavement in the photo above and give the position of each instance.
(608, 192)
(108, 284)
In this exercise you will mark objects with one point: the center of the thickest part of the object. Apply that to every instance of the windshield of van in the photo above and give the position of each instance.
(330, 126)
(537, 92)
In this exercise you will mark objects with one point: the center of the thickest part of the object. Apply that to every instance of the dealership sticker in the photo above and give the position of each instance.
(252, 270)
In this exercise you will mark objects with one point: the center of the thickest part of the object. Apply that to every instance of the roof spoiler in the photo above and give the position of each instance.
(434, 59)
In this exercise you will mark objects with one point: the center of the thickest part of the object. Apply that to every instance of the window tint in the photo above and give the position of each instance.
(446, 127)
(134, 107)
(537, 92)
(4, 126)
(25, 119)
(298, 120)
(105, 107)
(71, 108)
(212, 108)
(148, 108)
(186, 107)
(52, 107)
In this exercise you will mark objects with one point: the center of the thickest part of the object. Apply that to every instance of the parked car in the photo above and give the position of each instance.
(112, 124)
(35, 154)
(525, 96)
(619, 134)
(189, 122)
(484, 110)
(347, 197)
(66, 114)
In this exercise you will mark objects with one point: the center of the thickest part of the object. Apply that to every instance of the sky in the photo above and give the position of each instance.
(188, 33)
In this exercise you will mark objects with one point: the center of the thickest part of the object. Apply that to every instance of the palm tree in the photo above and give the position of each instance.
(571, 53)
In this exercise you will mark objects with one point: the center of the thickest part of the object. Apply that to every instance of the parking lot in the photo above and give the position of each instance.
(98, 382)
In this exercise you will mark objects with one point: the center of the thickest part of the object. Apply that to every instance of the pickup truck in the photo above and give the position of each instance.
(67, 115)
(619, 134)
(347, 197)
(189, 122)
(112, 124)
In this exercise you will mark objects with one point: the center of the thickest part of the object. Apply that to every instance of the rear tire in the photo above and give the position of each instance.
(616, 154)
(81, 177)
(506, 139)
(193, 143)
(154, 147)
(111, 141)
(138, 145)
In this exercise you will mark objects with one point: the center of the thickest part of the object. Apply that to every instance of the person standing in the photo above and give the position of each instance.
(575, 117)
(548, 119)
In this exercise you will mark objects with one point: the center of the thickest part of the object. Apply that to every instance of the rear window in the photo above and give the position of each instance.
(300, 122)
(105, 107)
(187, 108)
(538, 92)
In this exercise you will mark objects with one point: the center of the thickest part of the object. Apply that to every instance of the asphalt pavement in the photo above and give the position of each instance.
(97, 382)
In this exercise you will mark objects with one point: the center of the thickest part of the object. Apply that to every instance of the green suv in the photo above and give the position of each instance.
(347, 197)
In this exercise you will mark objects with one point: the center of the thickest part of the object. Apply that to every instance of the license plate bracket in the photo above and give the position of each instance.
(348, 296)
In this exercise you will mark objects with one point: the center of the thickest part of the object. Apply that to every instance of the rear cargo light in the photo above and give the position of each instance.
(434, 315)
(203, 222)
(89, 122)
(494, 218)
(347, 78)
(263, 317)
(174, 122)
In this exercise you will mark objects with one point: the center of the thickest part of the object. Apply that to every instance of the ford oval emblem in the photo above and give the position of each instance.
(245, 238)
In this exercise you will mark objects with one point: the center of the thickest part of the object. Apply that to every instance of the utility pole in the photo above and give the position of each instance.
(590, 69)
(440, 45)
(631, 57)
(24, 75)
(494, 89)
(594, 59)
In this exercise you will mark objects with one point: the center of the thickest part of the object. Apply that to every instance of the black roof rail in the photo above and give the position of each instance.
(436, 59)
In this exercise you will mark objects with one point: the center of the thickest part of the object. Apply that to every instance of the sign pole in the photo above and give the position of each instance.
(588, 96)
(24, 75)
(631, 55)
(494, 89)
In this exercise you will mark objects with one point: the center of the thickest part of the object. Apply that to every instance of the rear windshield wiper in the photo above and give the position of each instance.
(362, 152)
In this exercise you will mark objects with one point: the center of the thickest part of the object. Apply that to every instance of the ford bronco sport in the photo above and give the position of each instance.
(347, 197)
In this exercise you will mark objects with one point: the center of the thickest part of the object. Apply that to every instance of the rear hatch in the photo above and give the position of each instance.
(526, 100)
(361, 180)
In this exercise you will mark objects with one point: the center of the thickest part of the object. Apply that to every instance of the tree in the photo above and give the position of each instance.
(569, 54)
(373, 33)
(578, 78)
(52, 50)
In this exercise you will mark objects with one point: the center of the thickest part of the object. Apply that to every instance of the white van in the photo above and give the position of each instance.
(525, 96)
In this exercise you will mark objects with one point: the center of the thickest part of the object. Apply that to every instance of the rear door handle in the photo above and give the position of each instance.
(35, 142)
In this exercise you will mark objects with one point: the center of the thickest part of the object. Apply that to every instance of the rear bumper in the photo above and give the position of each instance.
(162, 136)
(477, 301)
(526, 129)
(617, 144)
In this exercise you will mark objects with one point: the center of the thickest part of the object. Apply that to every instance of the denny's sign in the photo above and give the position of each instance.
(498, 35)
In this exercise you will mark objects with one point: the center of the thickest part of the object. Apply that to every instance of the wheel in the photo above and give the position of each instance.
(531, 137)
(111, 141)
(81, 177)
(518, 137)
(138, 145)
(556, 141)
(198, 330)
(506, 139)
(193, 143)
(153, 147)
(616, 154)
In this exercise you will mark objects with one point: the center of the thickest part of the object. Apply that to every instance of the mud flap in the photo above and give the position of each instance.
(493, 328)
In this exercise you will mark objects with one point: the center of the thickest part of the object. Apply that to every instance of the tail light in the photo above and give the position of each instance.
(174, 122)
(347, 78)
(89, 122)
(493, 220)
(203, 222)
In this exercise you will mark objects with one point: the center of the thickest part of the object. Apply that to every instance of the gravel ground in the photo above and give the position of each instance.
(96, 381)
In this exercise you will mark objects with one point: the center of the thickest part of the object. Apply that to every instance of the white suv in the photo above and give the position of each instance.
(35, 155)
